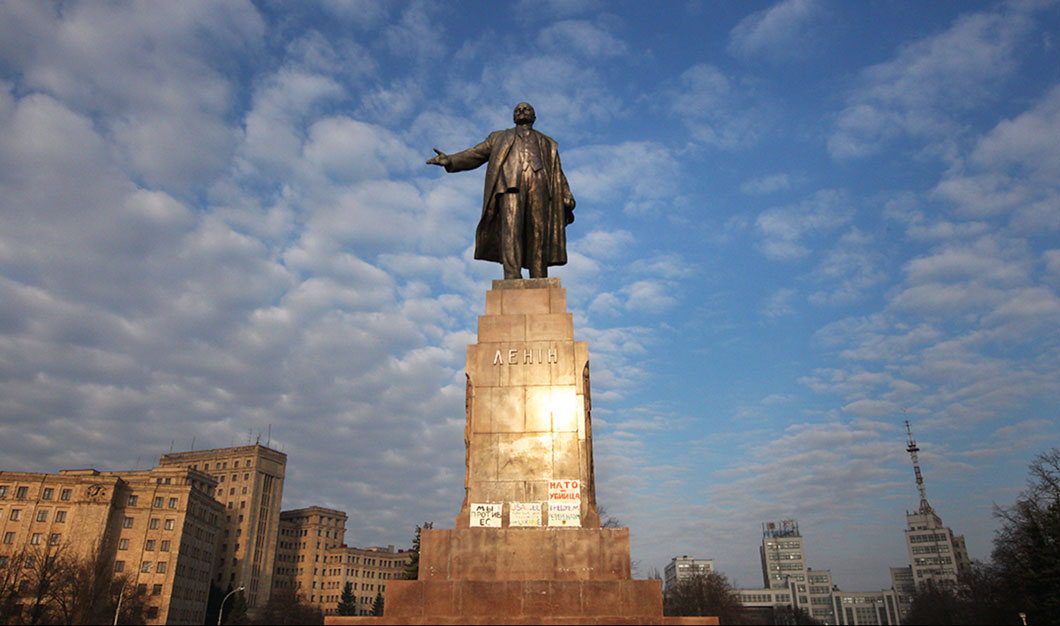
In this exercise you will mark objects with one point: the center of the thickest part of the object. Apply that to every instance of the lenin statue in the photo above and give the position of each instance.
(527, 203)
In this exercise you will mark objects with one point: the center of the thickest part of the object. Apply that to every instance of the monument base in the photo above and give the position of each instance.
(523, 576)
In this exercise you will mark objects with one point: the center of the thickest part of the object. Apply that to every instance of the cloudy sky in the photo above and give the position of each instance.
(798, 224)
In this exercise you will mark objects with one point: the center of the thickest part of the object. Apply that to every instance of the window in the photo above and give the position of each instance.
(133, 500)
(47, 493)
(159, 502)
(146, 566)
(9, 537)
(232, 491)
(244, 490)
(42, 515)
(35, 539)
(123, 544)
(169, 524)
(164, 547)
(246, 476)
(229, 505)
(119, 566)
(152, 612)
(161, 568)
(156, 590)
(173, 503)
(242, 504)
(53, 539)
(65, 494)
(236, 464)
(60, 517)
(20, 492)
(3, 491)
(154, 523)
(150, 545)
(127, 522)
(3, 562)
(16, 514)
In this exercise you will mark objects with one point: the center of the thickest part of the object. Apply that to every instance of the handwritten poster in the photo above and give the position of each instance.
(564, 503)
(524, 514)
(486, 515)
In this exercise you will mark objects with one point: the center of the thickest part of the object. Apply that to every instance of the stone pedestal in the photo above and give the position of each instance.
(529, 451)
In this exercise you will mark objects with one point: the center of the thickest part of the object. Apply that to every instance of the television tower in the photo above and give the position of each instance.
(912, 448)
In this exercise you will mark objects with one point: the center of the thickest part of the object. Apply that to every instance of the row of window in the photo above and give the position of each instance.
(929, 537)
(153, 524)
(46, 494)
(149, 545)
(35, 539)
(42, 515)
(146, 567)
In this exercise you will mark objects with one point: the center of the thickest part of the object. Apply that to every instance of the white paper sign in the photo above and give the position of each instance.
(564, 503)
(486, 515)
(524, 514)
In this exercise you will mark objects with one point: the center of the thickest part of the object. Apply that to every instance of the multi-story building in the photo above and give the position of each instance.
(306, 535)
(683, 568)
(866, 607)
(904, 586)
(783, 559)
(157, 528)
(250, 488)
(313, 562)
(935, 553)
(819, 589)
(367, 570)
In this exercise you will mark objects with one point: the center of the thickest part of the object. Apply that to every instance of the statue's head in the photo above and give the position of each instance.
(524, 114)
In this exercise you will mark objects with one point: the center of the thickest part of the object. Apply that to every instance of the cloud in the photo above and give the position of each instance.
(782, 31)
(764, 185)
(919, 92)
(783, 231)
(849, 270)
(716, 111)
(779, 304)
(636, 175)
(581, 37)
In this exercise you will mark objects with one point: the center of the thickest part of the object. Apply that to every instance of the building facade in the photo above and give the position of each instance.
(683, 568)
(866, 607)
(782, 555)
(315, 564)
(250, 488)
(935, 553)
(156, 528)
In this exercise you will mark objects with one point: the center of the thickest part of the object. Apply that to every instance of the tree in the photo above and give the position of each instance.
(235, 610)
(1027, 546)
(377, 605)
(412, 570)
(347, 603)
(287, 607)
(704, 595)
(788, 616)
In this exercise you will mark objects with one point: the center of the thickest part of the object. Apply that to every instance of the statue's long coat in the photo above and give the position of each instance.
(499, 173)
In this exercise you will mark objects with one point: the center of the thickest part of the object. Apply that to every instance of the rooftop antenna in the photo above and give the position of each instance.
(268, 442)
(193, 444)
(912, 448)
(171, 442)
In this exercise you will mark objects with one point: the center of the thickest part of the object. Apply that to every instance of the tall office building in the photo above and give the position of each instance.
(935, 553)
(683, 568)
(783, 559)
(250, 487)
(157, 528)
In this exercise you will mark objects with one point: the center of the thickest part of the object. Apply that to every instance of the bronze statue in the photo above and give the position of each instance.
(527, 203)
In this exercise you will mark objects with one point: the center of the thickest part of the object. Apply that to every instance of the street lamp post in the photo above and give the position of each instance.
(221, 611)
(120, 594)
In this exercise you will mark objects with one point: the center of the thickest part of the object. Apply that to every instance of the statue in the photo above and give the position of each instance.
(527, 203)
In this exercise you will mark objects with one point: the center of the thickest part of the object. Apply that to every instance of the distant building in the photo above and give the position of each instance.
(306, 535)
(367, 570)
(683, 568)
(315, 564)
(783, 559)
(902, 582)
(250, 487)
(866, 607)
(158, 527)
(935, 553)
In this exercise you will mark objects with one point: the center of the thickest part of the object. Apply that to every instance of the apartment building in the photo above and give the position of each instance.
(250, 488)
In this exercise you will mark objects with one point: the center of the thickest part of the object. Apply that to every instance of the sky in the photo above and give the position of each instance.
(798, 225)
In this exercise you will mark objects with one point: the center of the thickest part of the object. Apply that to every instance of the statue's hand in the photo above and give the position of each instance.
(440, 158)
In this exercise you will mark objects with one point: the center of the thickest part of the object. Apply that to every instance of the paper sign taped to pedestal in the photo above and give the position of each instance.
(564, 503)
(524, 514)
(564, 514)
(486, 515)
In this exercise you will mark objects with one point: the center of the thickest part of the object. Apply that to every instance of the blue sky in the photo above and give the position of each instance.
(798, 224)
